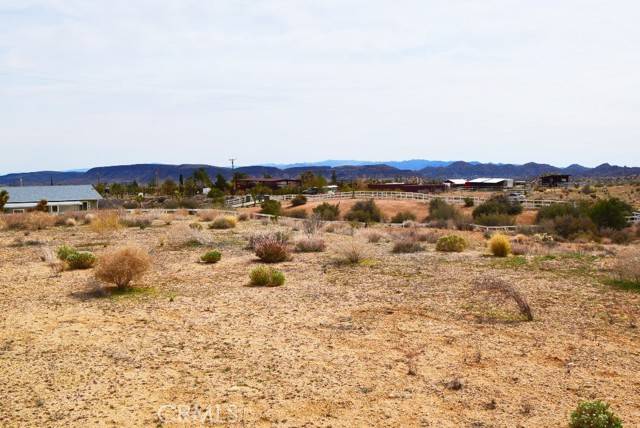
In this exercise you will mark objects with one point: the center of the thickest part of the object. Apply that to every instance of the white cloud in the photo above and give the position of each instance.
(191, 81)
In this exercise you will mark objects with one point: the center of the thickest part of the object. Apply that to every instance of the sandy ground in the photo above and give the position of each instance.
(369, 345)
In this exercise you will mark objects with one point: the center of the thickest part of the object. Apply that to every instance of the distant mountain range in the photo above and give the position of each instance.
(145, 173)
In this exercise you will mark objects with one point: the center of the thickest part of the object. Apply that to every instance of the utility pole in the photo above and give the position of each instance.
(233, 177)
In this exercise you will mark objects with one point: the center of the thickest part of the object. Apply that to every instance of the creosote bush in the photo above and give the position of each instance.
(310, 245)
(327, 211)
(122, 265)
(223, 222)
(499, 245)
(440, 210)
(211, 257)
(403, 216)
(364, 212)
(498, 204)
(594, 414)
(264, 276)
(271, 207)
(298, 200)
(451, 244)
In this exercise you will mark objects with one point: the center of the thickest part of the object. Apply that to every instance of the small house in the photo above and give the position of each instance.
(59, 198)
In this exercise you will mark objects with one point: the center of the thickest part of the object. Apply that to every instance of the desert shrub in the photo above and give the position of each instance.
(196, 226)
(271, 249)
(594, 414)
(190, 204)
(70, 222)
(28, 221)
(171, 204)
(207, 215)
(451, 244)
(223, 222)
(186, 236)
(403, 216)
(243, 217)
(300, 213)
(211, 257)
(271, 207)
(298, 200)
(498, 204)
(407, 245)
(312, 224)
(141, 222)
(569, 227)
(130, 205)
(280, 236)
(80, 260)
(495, 220)
(374, 237)
(439, 209)
(352, 251)
(499, 286)
(122, 265)
(364, 212)
(167, 218)
(627, 266)
(310, 245)
(610, 213)
(264, 276)
(518, 249)
(587, 190)
(552, 211)
(64, 252)
(327, 211)
(468, 202)
(499, 245)
(621, 237)
(104, 222)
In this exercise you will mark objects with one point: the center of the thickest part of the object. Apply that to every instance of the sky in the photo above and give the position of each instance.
(92, 83)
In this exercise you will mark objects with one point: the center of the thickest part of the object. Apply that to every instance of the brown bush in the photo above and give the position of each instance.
(352, 251)
(270, 249)
(501, 287)
(310, 245)
(374, 237)
(123, 265)
(104, 222)
(207, 215)
(407, 245)
(627, 266)
(29, 221)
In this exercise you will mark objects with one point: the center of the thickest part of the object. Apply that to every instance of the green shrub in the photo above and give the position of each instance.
(495, 220)
(451, 243)
(499, 245)
(610, 213)
(264, 276)
(298, 200)
(498, 204)
(65, 251)
(441, 210)
(327, 211)
(364, 212)
(569, 227)
(211, 257)
(80, 260)
(469, 202)
(299, 213)
(594, 414)
(271, 207)
(403, 216)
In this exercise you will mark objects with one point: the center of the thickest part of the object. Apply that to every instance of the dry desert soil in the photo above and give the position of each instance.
(397, 340)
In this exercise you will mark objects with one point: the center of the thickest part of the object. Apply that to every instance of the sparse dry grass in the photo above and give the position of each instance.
(122, 265)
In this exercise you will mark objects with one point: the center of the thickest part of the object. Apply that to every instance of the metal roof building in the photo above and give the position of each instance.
(59, 198)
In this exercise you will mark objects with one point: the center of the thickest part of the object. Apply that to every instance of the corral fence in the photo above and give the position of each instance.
(635, 218)
(247, 200)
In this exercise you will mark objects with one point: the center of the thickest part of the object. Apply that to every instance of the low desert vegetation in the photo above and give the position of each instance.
(123, 265)
(594, 414)
(626, 269)
(327, 211)
(440, 210)
(497, 211)
(364, 212)
(211, 257)
(299, 213)
(352, 251)
(407, 244)
(224, 222)
(374, 237)
(105, 222)
(298, 200)
(271, 207)
(494, 285)
(499, 245)
(310, 245)
(28, 221)
(451, 244)
(74, 259)
(403, 216)
(272, 248)
(265, 276)
(141, 222)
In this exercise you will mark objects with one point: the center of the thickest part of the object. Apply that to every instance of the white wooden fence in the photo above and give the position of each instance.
(247, 200)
